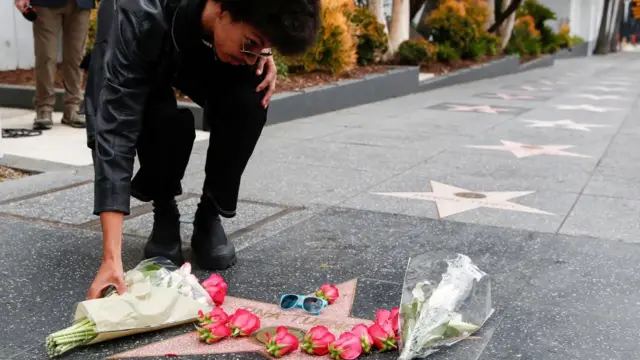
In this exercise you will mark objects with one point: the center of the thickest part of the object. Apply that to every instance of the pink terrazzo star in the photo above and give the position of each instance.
(336, 317)
(479, 108)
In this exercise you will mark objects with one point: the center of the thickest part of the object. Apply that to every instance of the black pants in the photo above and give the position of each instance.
(235, 116)
(232, 111)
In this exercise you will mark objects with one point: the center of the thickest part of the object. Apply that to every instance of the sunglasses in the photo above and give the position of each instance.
(310, 304)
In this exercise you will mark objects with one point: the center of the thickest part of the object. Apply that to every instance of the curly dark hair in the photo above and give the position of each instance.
(290, 25)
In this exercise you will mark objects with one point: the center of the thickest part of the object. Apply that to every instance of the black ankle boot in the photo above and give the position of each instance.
(165, 237)
(211, 248)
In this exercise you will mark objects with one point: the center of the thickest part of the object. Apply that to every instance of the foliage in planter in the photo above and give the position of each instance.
(577, 40)
(525, 39)
(491, 43)
(564, 38)
(477, 11)
(335, 49)
(372, 40)
(540, 13)
(445, 53)
(93, 27)
(415, 52)
(281, 64)
(449, 24)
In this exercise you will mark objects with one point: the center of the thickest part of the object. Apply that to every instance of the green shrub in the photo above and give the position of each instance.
(475, 50)
(93, 27)
(448, 24)
(372, 40)
(564, 38)
(335, 50)
(491, 44)
(281, 64)
(446, 53)
(525, 39)
(540, 13)
(577, 40)
(415, 52)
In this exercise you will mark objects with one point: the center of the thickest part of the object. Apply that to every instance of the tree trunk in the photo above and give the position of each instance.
(491, 6)
(506, 27)
(508, 11)
(414, 7)
(618, 14)
(376, 8)
(400, 23)
(601, 44)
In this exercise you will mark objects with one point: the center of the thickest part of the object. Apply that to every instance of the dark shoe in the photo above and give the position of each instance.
(75, 120)
(211, 248)
(165, 237)
(43, 121)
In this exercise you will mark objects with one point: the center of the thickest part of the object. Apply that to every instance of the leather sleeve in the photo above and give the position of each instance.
(127, 80)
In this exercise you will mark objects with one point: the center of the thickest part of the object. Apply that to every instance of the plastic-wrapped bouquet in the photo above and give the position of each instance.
(159, 295)
(445, 299)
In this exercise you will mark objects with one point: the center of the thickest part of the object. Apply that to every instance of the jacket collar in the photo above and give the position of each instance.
(185, 23)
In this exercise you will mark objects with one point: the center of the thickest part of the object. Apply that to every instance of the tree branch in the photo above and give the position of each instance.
(513, 6)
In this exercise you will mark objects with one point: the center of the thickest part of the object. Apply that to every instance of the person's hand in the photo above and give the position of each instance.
(110, 273)
(21, 5)
(269, 79)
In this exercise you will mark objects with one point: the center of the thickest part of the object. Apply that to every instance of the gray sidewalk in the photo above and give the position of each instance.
(534, 176)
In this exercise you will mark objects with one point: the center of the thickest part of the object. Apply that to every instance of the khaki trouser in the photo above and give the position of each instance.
(74, 23)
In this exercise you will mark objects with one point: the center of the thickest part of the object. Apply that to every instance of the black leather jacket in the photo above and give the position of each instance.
(133, 61)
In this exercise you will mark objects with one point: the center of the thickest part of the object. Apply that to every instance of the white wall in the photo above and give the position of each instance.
(16, 38)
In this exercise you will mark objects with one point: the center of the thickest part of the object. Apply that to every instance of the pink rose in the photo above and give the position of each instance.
(328, 292)
(346, 347)
(317, 340)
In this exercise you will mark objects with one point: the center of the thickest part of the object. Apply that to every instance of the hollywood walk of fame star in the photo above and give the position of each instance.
(566, 124)
(598, 97)
(336, 317)
(487, 109)
(525, 150)
(451, 200)
(585, 107)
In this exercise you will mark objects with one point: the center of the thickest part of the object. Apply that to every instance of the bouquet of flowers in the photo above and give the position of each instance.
(159, 295)
(445, 299)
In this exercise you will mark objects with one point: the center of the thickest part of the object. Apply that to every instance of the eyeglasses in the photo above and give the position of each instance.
(263, 53)
(310, 304)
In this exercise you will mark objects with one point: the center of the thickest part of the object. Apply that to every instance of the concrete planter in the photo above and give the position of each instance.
(544, 61)
(505, 66)
(284, 106)
(581, 50)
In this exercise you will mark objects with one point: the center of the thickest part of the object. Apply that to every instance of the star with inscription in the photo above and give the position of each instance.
(566, 124)
(478, 108)
(336, 317)
(598, 97)
(451, 200)
(525, 150)
(585, 107)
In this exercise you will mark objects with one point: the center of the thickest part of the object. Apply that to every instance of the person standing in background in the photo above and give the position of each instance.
(71, 17)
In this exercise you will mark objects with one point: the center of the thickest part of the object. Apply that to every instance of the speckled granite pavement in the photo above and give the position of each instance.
(533, 175)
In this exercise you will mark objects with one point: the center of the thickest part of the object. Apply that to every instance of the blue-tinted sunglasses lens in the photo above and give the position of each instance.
(288, 301)
(312, 304)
